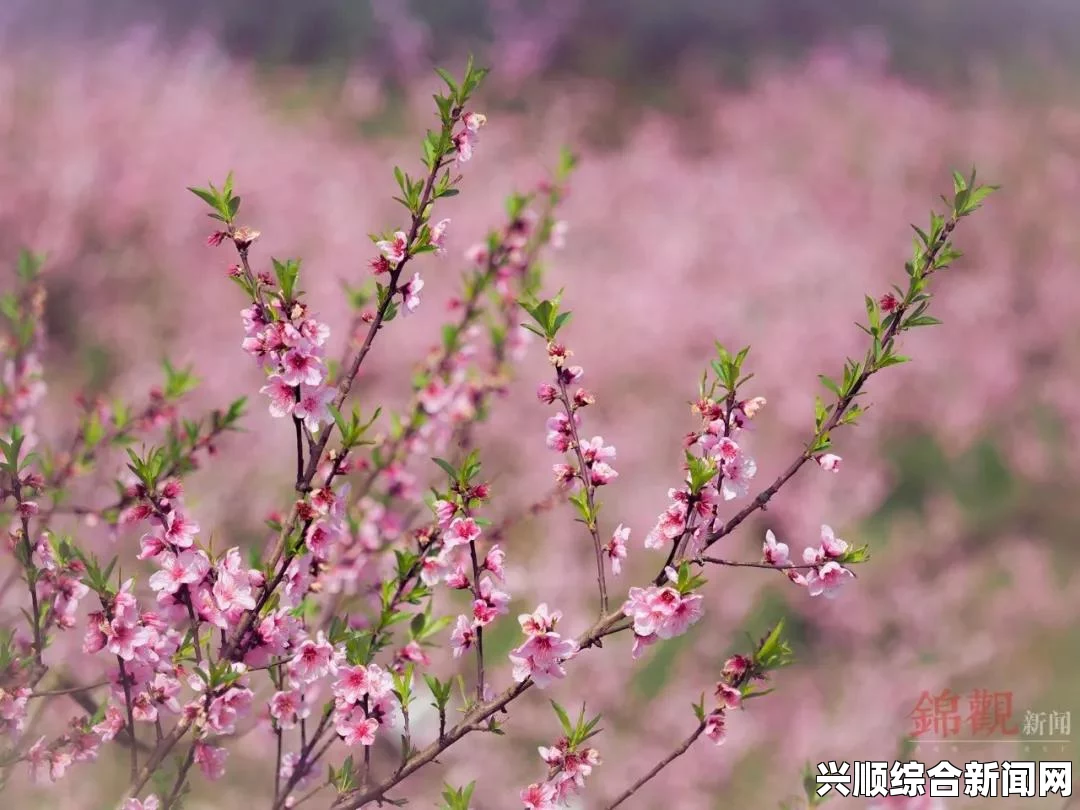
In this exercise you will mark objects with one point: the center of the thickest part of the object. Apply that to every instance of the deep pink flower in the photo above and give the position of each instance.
(301, 366)
(462, 531)
(715, 728)
(728, 695)
(547, 393)
(395, 249)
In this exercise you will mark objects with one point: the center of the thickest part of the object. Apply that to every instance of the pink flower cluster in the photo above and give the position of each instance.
(363, 699)
(661, 612)
(562, 428)
(451, 561)
(728, 696)
(542, 655)
(466, 139)
(567, 769)
(290, 346)
(691, 514)
(59, 580)
(827, 573)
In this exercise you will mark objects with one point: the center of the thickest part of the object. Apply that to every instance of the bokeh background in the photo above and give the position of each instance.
(748, 172)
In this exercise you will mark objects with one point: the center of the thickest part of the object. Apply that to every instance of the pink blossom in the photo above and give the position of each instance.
(411, 653)
(395, 249)
(544, 650)
(233, 593)
(462, 531)
(313, 406)
(438, 236)
(353, 684)
(831, 545)
(126, 638)
(601, 473)
(538, 797)
(180, 530)
(738, 473)
(473, 121)
(595, 450)
(313, 660)
(687, 612)
(177, 570)
(477, 254)
(616, 548)
(434, 396)
(463, 143)
(282, 396)
(565, 474)
(444, 512)
(13, 709)
(356, 728)
(226, 708)
(39, 761)
(494, 561)
(463, 637)
(662, 611)
(642, 643)
(489, 604)
(774, 553)
(728, 695)
(715, 728)
(211, 760)
(289, 708)
(410, 294)
(735, 667)
(540, 658)
(300, 366)
(151, 802)
(547, 393)
(827, 580)
(320, 538)
(111, 725)
(829, 462)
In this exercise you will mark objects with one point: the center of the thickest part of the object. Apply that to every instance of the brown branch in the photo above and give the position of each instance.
(678, 752)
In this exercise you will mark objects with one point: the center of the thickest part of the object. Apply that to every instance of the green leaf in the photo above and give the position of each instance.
(447, 467)
(564, 719)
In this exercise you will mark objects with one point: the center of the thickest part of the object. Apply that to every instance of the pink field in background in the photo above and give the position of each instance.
(771, 238)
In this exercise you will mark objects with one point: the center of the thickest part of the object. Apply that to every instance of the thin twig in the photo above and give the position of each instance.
(678, 752)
